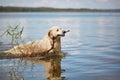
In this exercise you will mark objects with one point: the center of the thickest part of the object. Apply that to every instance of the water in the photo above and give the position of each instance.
(92, 46)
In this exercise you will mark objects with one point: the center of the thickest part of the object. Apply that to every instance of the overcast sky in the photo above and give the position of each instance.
(94, 4)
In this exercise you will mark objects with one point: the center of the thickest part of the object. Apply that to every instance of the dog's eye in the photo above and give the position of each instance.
(57, 29)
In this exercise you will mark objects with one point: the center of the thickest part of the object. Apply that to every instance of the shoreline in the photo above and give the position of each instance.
(49, 9)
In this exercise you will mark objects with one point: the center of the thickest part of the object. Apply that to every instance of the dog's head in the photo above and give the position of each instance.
(56, 31)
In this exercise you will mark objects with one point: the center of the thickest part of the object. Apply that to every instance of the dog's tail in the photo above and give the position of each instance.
(6, 55)
(3, 54)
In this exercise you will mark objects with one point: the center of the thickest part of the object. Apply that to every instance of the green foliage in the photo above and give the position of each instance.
(48, 9)
(14, 32)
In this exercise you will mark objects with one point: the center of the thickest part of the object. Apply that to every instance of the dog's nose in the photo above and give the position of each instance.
(64, 31)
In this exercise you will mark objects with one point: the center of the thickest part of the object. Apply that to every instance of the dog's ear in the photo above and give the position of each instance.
(50, 34)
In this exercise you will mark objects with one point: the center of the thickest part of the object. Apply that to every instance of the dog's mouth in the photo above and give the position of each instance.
(61, 35)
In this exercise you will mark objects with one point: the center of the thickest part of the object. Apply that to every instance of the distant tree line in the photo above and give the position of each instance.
(47, 9)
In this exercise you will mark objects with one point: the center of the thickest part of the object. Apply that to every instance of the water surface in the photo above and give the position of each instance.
(92, 45)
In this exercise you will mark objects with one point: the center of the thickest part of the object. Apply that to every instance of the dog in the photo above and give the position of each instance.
(51, 43)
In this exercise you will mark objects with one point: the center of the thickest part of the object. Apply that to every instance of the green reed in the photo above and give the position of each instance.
(14, 32)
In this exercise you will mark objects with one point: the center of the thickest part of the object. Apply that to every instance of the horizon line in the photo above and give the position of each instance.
(59, 8)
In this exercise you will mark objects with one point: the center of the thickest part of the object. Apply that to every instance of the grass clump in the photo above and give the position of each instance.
(14, 32)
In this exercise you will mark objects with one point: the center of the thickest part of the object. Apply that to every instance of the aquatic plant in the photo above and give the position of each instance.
(14, 32)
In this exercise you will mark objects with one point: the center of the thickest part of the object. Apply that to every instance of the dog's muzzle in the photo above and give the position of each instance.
(63, 33)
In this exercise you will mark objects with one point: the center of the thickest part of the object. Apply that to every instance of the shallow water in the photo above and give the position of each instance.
(92, 46)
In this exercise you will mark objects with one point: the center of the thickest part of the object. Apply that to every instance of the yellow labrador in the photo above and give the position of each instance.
(51, 43)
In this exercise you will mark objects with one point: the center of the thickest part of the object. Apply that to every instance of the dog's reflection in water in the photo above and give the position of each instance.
(52, 65)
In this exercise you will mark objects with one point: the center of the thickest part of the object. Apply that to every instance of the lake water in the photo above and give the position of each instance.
(92, 46)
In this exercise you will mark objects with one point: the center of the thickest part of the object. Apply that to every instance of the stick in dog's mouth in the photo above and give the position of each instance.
(66, 31)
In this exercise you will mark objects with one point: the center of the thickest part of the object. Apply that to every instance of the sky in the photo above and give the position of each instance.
(93, 4)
